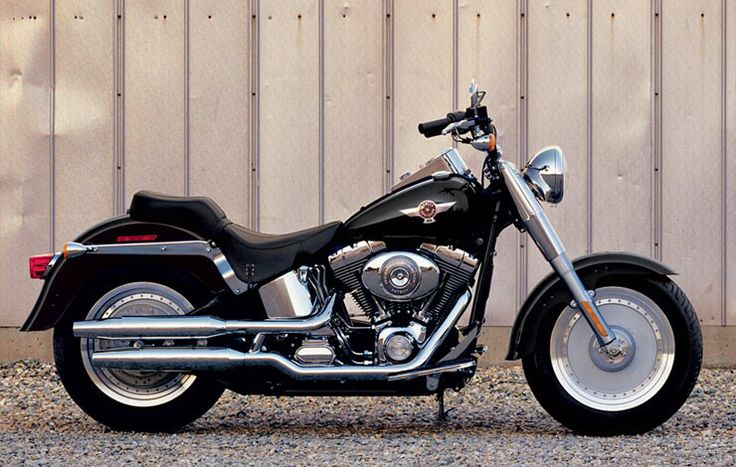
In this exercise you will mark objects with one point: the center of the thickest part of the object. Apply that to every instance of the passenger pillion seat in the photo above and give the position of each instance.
(255, 257)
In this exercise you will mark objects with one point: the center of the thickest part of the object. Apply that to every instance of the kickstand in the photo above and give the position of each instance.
(441, 412)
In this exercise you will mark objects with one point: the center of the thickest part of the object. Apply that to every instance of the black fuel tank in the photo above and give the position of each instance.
(442, 210)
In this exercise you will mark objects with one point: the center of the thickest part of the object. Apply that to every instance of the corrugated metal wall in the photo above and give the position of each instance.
(290, 113)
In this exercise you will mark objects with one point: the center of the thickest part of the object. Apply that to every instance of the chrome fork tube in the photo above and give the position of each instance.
(537, 223)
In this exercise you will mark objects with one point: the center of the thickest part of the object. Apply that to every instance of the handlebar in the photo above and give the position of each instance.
(435, 127)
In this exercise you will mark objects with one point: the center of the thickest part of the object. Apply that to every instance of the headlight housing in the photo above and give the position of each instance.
(545, 174)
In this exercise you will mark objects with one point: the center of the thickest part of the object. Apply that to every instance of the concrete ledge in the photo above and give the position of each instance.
(15, 345)
(719, 351)
(719, 346)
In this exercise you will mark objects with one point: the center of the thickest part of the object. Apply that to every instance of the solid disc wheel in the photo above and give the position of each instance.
(614, 383)
(590, 391)
(126, 399)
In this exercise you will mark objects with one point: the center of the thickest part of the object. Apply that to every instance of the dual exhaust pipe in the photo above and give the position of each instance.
(200, 359)
(195, 327)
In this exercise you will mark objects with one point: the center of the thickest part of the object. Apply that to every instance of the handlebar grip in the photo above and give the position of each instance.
(435, 127)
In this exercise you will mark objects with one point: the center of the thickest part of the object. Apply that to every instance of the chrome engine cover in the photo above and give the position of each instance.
(400, 276)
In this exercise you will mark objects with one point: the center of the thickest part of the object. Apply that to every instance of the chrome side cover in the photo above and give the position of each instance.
(286, 297)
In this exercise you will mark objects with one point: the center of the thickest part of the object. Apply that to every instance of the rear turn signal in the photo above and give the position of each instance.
(38, 264)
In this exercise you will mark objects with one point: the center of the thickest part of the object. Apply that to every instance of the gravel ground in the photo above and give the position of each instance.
(495, 421)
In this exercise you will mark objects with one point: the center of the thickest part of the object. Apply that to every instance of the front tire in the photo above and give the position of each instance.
(130, 400)
(590, 392)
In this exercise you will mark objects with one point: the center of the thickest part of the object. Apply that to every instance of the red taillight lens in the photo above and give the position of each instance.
(137, 238)
(38, 265)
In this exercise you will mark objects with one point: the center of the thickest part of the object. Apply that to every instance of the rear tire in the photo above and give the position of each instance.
(593, 394)
(129, 400)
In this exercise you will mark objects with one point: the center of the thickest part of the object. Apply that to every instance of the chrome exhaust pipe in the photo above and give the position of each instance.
(195, 327)
(198, 359)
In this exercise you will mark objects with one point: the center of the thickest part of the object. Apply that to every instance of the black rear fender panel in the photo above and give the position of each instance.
(594, 270)
(71, 277)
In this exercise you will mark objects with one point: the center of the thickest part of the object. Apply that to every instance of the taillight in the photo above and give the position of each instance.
(137, 238)
(38, 264)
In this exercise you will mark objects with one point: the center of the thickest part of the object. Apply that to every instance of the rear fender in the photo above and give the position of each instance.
(593, 269)
(69, 277)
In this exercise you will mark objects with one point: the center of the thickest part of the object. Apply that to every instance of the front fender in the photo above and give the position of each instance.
(69, 277)
(551, 292)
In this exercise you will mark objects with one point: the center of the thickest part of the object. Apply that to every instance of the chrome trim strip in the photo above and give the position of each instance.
(54, 259)
(218, 359)
(186, 248)
(195, 327)
(433, 371)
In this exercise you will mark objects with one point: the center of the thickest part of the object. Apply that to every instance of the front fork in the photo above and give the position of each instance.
(540, 229)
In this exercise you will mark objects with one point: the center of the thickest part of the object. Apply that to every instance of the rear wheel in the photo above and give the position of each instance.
(124, 399)
(592, 392)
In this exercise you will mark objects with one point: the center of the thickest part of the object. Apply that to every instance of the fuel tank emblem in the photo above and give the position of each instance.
(427, 210)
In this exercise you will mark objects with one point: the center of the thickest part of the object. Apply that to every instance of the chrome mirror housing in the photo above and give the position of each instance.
(545, 174)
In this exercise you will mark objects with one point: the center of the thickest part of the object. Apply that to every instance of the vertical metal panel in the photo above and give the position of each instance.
(483, 25)
(730, 155)
(558, 113)
(154, 96)
(691, 154)
(423, 78)
(622, 126)
(353, 167)
(84, 131)
(25, 78)
(289, 115)
(219, 94)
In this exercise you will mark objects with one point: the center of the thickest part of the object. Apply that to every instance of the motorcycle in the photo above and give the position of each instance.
(156, 312)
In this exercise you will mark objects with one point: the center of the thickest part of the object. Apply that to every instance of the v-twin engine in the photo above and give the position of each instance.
(420, 284)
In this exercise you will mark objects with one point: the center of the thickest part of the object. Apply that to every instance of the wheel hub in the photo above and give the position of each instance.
(608, 362)
(135, 388)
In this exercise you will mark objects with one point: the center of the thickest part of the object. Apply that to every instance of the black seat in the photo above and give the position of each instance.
(255, 257)
(197, 214)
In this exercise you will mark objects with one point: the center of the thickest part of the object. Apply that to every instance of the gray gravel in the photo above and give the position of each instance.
(495, 420)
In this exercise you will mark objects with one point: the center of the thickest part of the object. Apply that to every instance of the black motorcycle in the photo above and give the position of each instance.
(157, 312)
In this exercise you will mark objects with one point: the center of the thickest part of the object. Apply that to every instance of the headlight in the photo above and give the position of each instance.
(545, 174)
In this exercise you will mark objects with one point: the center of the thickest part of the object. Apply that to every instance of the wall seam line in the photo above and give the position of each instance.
(658, 124)
(115, 104)
(724, 162)
(652, 129)
(186, 97)
(589, 123)
(255, 48)
(390, 100)
(384, 90)
(122, 159)
(321, 107)
(52, 125)
(523, 135)
(455, 58)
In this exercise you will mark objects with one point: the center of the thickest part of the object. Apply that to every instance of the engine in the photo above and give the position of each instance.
(403, 294)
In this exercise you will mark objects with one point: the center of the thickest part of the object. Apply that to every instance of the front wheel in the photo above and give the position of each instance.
(591, 392)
